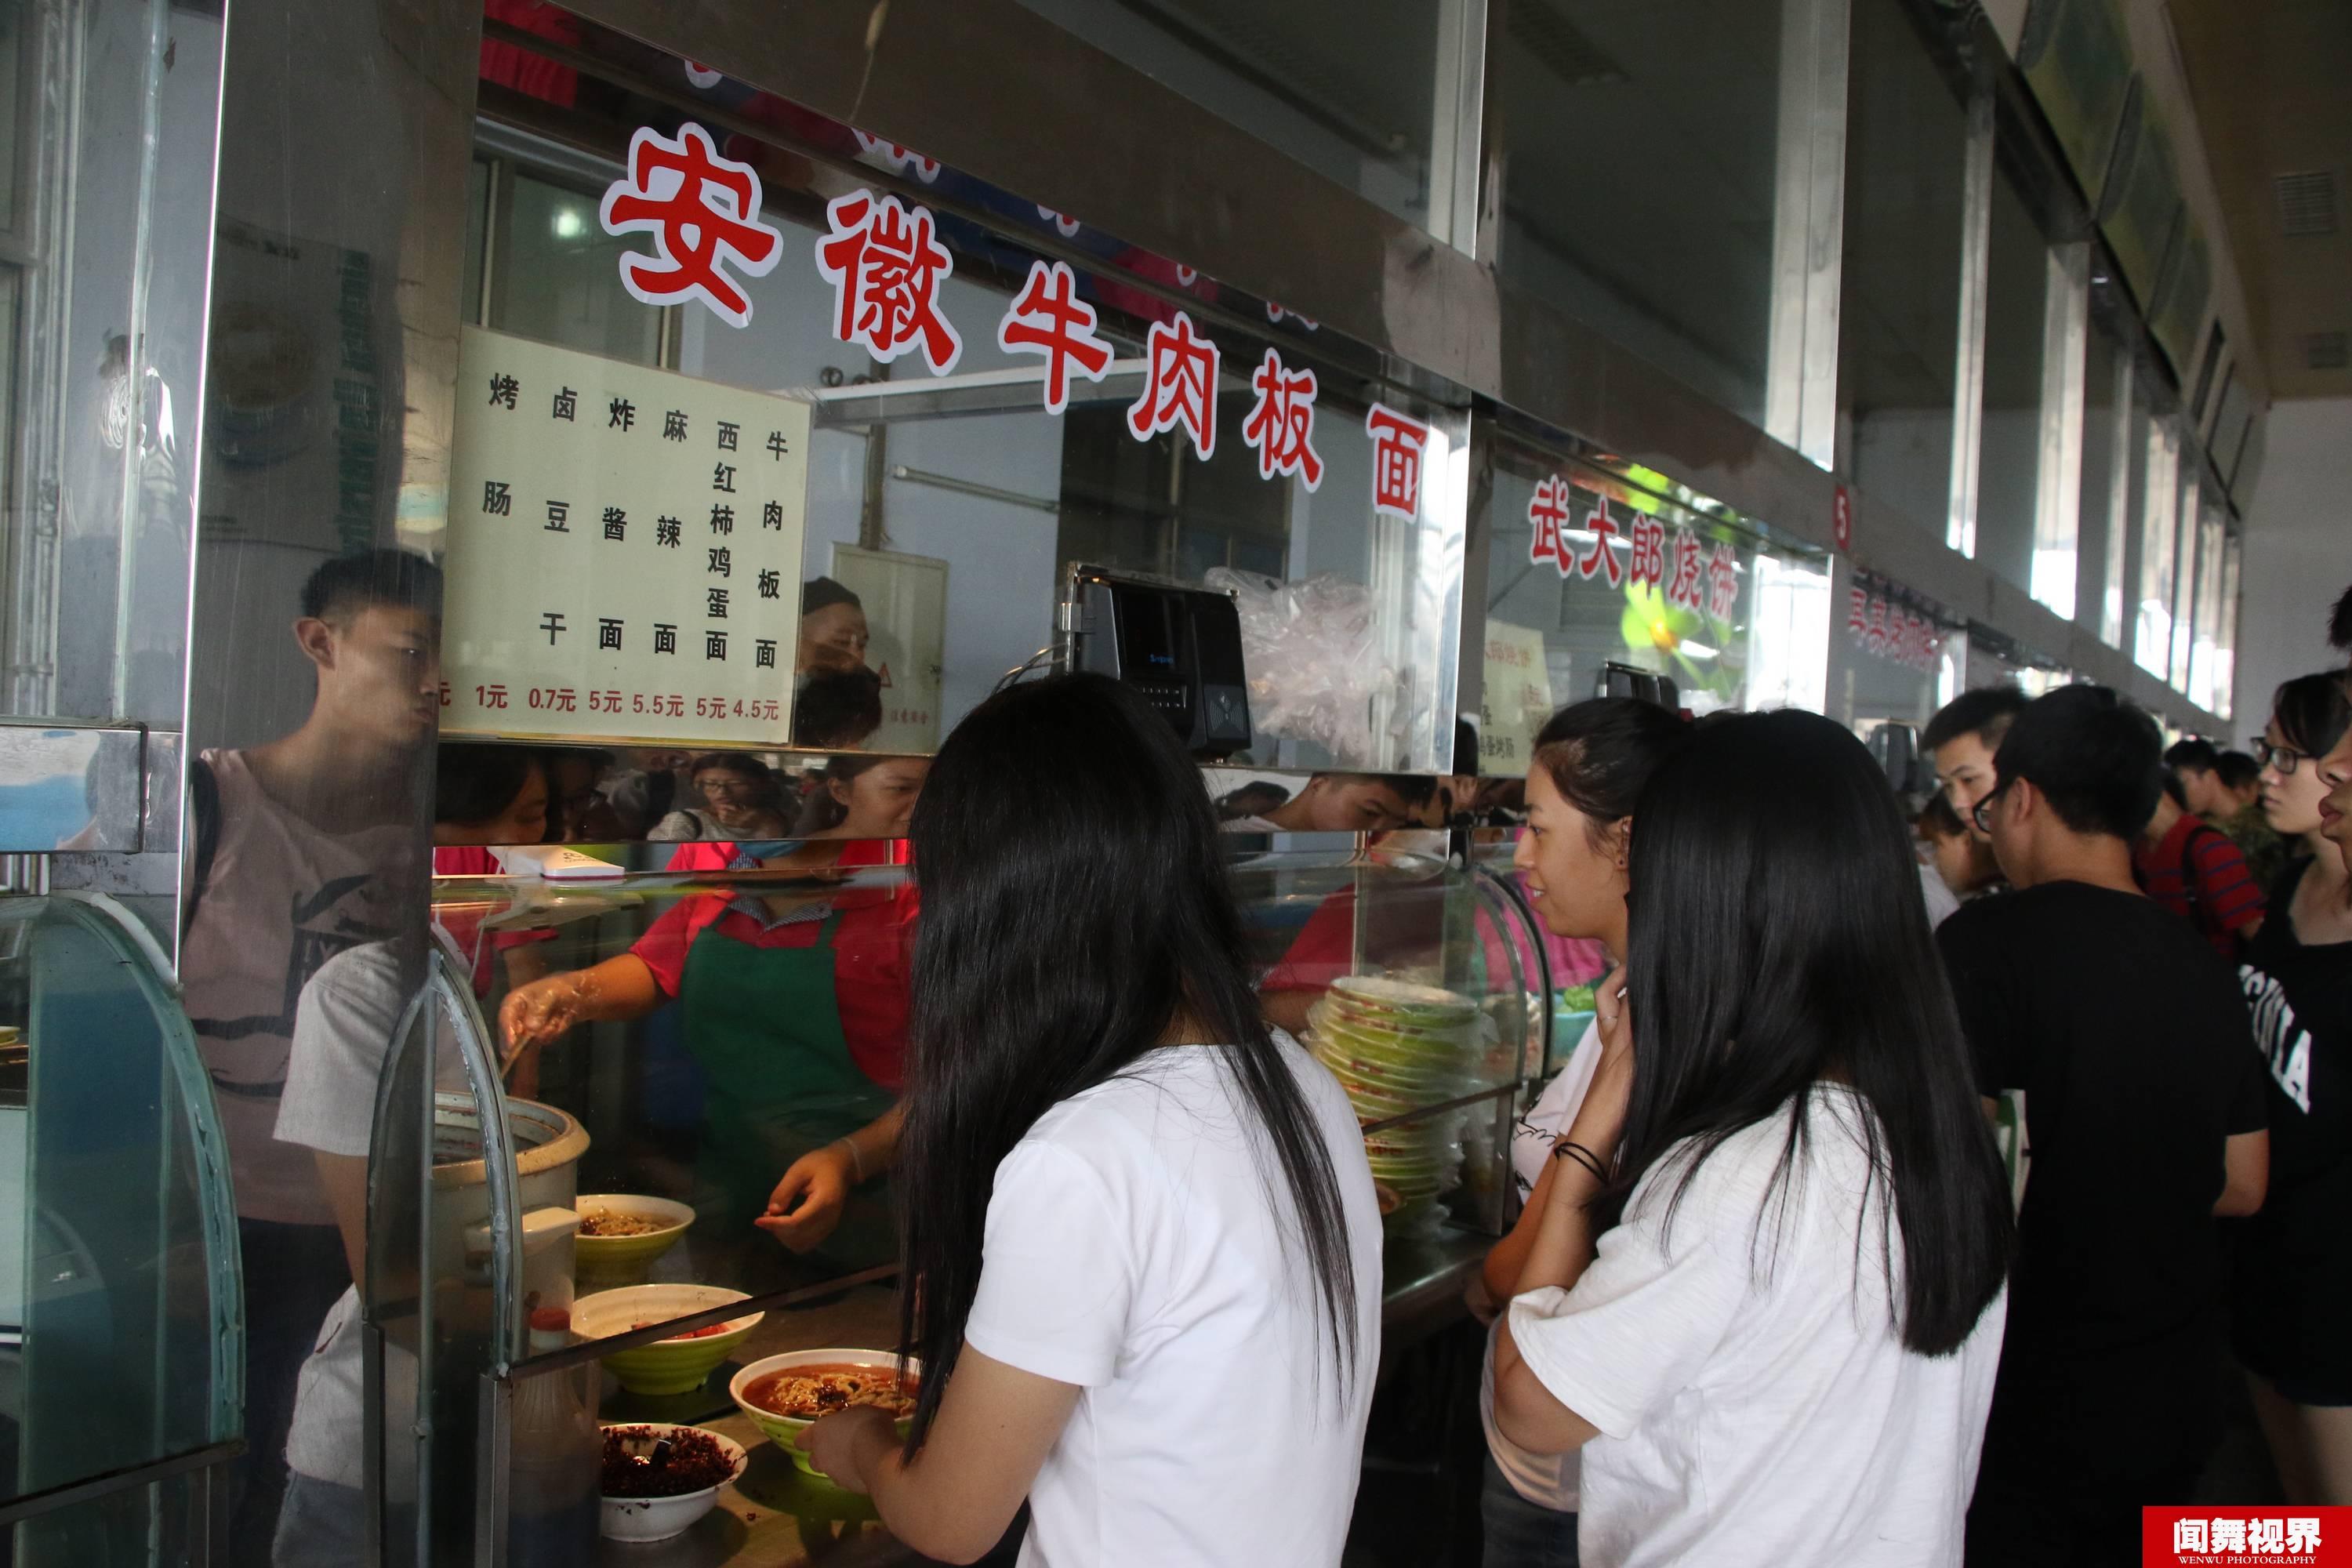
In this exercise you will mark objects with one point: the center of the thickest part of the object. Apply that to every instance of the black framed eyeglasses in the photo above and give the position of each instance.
(2283, 759)
(1981, 812)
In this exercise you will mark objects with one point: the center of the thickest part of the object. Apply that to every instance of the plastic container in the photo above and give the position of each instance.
(555, 1456)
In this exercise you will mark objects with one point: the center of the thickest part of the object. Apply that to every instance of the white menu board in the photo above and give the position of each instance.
(625, 551)
(1517, 700)
(905, 600)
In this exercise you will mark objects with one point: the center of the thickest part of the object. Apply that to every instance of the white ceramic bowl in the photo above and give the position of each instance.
(665, 1366)
(783, 1430)
(659, 1518)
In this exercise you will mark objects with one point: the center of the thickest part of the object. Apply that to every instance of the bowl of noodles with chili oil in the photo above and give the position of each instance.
(621, 1233)
(786, 1395)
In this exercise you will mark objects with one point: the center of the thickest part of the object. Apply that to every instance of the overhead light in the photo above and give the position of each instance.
(569, 224)
(1696, 649)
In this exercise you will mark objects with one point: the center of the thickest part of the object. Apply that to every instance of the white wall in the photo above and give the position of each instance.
(2298, 553)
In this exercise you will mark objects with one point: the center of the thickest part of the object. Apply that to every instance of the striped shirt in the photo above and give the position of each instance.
(2198, 874)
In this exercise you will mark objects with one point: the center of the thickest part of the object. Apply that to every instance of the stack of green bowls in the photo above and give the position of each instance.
(1397, 1046)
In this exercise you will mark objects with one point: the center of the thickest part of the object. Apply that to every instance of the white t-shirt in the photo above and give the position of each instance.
(1756, 1405)
(1132, 1249)
(342, 1032)
(1941, 901)
(1548, 1480)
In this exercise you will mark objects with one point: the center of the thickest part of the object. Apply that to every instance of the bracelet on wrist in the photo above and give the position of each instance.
(1579, 1153)
(857, 1160)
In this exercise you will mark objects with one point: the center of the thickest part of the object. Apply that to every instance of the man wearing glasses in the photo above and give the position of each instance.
(2144, 1108)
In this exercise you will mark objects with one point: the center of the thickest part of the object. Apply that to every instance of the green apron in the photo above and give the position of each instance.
(763, 1025)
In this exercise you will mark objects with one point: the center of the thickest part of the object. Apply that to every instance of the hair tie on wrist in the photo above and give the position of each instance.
(857, 1160)
(1564, 1150)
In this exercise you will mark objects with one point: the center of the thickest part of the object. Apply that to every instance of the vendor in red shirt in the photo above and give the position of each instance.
(795, 1009)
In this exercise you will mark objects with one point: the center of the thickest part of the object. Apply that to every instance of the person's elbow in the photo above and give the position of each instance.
(1527, 1413)
(2246, 1175)
(962, 1540)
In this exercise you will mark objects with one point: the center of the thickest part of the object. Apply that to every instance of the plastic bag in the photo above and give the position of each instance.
(1313, 659)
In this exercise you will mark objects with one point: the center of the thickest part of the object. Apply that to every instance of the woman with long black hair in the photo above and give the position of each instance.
(1765, 1296)
(1141, 1245)
(2292, 1266)
(1586, 774)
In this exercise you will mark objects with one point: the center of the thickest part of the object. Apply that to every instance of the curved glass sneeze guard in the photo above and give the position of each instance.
(1424, 984)
(120, 1312)
(1570, 968)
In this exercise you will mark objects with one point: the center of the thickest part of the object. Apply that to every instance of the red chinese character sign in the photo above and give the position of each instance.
(703, 213)
(1546, 523)
(1683, 589)
(1600, 560)
(1180, 386)
(623, 551)
(1649, 563)
(1884, 628)
(1841, 520)
(886, 266)
(1281, 425)
(1047, 318)
(1723, 581)
(1397, 443)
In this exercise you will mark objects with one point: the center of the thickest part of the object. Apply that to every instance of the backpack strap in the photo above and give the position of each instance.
(204, 814)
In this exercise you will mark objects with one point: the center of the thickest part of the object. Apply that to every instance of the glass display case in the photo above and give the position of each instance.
(584, 1243)
(122, 1343)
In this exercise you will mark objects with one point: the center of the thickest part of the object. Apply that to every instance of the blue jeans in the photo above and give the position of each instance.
(1520, 1533)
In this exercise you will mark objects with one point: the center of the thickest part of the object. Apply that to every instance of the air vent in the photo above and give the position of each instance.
(1559, 45)
(2326, 351)
(2306, 203)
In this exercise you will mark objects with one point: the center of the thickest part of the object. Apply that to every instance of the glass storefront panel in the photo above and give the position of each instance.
(1906, 135)
(2184, 561)
(1353, 91)
(944, 501)
(1593, 582)
(2008, 455)
(544, 263)
(2205, 649)
(106, 216)
(2107, 488)
(1893, 657)
(1641, 199)
(2158, 523)
(2225, 650)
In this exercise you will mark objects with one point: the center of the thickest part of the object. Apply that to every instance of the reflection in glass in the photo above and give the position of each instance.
(1349, 90)
(2009, 462)
(1897, 324)
(557, 276)
(943, 511)
(2106, 486)
(1586, 571)
(1641, 185)
(2158, 522)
